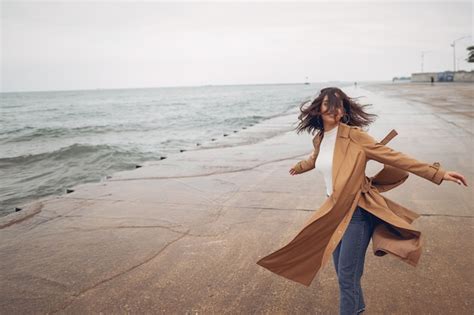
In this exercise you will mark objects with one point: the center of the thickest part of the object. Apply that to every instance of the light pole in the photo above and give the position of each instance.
(454, 50)
(422, 58)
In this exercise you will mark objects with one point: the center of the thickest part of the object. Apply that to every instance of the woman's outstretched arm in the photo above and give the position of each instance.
(304, 165)
(381, 153)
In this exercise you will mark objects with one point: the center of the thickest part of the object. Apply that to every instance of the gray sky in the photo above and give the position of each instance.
(86, 45)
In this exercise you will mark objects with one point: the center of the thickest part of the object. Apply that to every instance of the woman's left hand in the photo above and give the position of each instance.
(455, 177)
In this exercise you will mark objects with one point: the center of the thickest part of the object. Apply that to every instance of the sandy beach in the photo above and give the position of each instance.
(182, 235)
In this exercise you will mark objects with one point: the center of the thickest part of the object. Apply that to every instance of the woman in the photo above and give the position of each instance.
(339, 119)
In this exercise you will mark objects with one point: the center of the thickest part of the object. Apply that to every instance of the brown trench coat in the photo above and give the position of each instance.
(310, 249)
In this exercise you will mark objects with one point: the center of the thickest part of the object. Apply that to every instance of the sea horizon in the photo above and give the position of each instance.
(193, 86)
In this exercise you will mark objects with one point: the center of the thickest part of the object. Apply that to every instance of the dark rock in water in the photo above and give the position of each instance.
(198, 144)
(235, 130)
(225, 135)
(68, 191)
(138, 166)
(213, 139)
(162, 157)
(244, 127)
(17, 209)
(108, 177)
(182, 150)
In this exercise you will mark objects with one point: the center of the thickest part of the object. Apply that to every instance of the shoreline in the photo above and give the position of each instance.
(274, 126)
(42, 160)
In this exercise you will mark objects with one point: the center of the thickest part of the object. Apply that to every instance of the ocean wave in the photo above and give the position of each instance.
(31, 133)
(245, 120)
(31, 176)
(16, 130)
(73, 152)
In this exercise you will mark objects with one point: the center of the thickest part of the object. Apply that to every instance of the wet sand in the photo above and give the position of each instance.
(182, 235)
(452, 101)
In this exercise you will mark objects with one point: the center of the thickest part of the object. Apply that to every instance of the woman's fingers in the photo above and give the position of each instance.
(456, 177)
(461, 178)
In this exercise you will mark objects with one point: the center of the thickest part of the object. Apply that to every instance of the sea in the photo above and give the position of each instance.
(53, 140)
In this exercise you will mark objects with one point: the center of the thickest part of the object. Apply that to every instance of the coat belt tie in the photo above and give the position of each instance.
(367, 185)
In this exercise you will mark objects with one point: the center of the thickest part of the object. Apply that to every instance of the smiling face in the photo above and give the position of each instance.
(330, 119)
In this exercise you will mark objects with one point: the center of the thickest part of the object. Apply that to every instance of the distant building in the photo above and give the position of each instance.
(445, 76)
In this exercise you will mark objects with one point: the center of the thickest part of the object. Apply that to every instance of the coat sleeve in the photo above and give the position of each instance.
(307, 164)
(382, 153)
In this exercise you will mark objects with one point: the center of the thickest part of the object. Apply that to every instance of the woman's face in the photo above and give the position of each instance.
(329, 118)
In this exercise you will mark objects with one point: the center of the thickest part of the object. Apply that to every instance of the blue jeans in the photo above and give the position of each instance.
(349, 258)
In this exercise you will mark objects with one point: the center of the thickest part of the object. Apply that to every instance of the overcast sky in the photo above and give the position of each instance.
(87, 45)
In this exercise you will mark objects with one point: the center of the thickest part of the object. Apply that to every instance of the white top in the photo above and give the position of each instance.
(325, 157)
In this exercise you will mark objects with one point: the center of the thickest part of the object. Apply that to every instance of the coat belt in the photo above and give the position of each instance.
(367, 185)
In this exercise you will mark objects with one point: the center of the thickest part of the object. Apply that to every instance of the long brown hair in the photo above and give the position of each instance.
(354, 114)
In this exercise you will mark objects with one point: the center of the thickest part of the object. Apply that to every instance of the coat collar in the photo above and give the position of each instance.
(340, 148)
